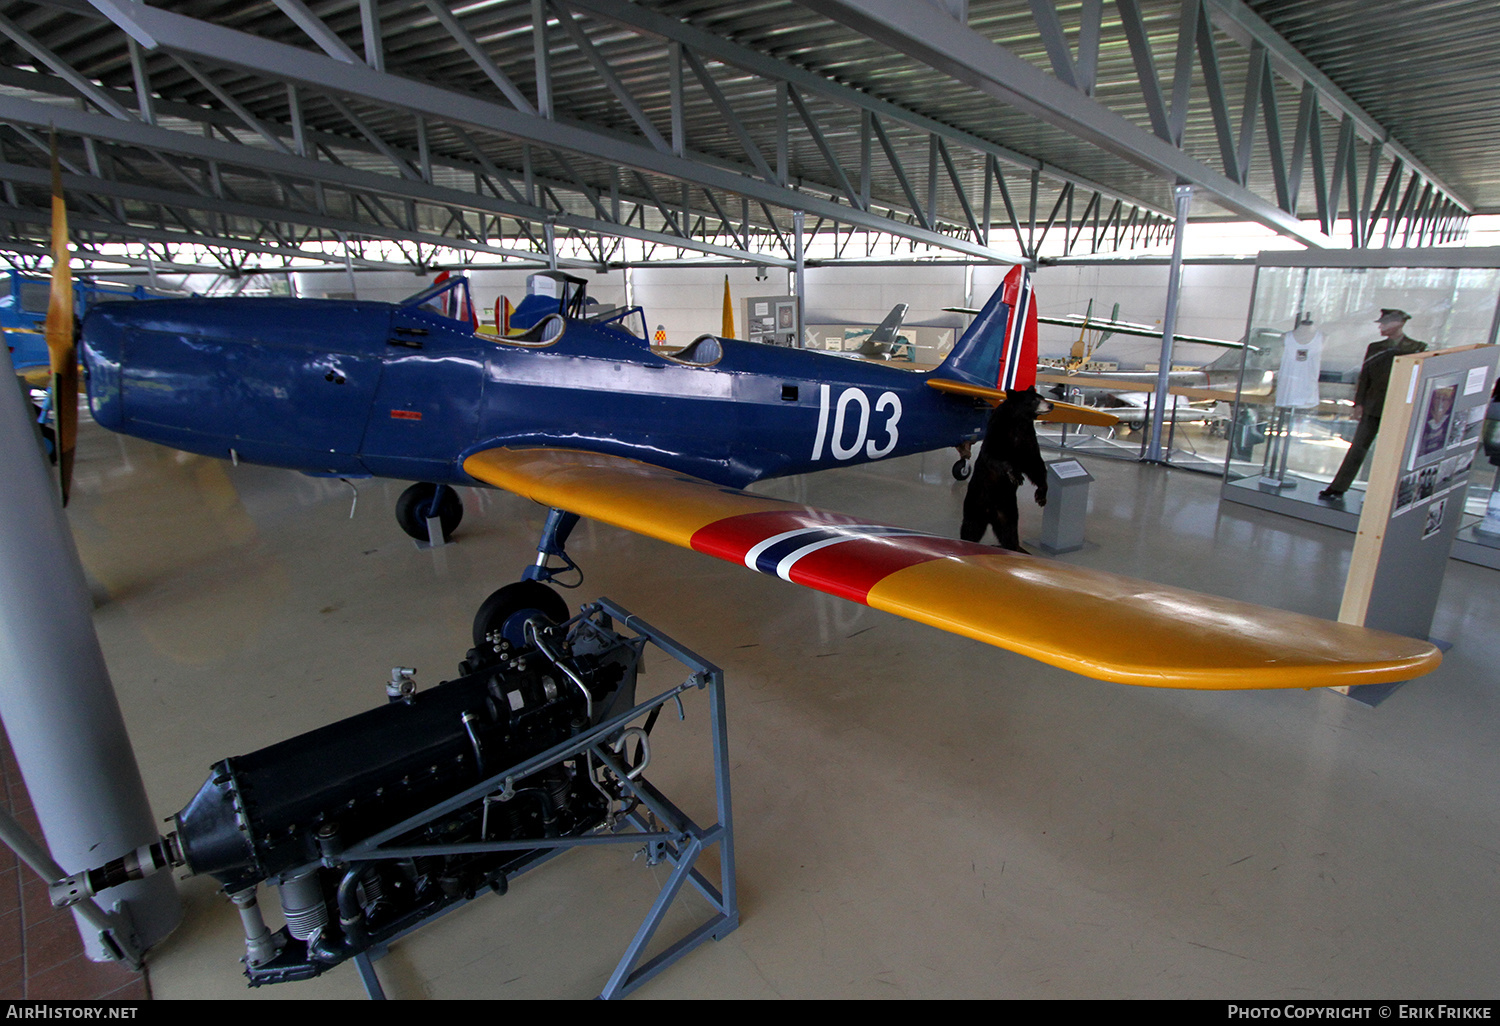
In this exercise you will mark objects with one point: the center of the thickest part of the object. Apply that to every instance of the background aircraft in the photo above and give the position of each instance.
(883, 342)
(1128, 394)
(23, 314)
(1112, 326)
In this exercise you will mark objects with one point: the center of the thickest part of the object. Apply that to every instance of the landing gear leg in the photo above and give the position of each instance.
(560, 524)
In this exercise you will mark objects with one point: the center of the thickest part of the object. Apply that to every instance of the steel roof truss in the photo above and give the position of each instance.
(143, 98)
(476, 53)
(731, 119)
(590, 193)
(586, 47)
(397, 161)
(816, 133)
(1010, 207)
(781, 240)
(976, 61)
(705, 44)
(1255, 79)
(900, 172)
(1343, 170)
(369, 25)
(1052, 217)
(327, 40)
(1090, 210)
(927, 219)
(958, 189)
(1050, 27)
(667, 217)
(1218, 104)
(64, 70)
(1145, 68)
(230, 103)
(1274, 141)
(724, 218)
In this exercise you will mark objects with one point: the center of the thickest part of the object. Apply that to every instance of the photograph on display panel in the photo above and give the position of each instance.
(1437, 414)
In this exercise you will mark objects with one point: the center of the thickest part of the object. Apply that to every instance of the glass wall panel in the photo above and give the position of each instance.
(1310, 333)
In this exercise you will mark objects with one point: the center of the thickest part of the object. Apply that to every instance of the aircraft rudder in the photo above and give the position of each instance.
(999, 348)
(1019, 365)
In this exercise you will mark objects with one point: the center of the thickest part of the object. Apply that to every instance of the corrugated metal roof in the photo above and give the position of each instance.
(1419, 68)
(1428, 71)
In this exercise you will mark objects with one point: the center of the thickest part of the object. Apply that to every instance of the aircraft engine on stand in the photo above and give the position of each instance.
(287, 814)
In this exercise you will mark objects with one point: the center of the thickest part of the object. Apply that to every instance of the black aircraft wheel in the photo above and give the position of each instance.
(508, 609)
(961, 470)
(416, 505)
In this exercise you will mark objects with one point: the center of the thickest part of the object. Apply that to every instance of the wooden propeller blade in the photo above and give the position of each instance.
(59, 332)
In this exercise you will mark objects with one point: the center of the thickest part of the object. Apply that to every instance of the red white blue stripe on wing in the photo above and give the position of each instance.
(1092, 622)
(843, 556)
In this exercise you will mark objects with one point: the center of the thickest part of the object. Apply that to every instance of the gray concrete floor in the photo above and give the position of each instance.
(917, 815)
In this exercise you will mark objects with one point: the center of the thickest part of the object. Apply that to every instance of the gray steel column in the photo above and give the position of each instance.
(799, 268)
(1184, 197)
(56, 699)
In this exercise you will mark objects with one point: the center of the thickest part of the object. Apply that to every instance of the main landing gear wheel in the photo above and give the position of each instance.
(508, 609)
(424, 500)
(961, 469)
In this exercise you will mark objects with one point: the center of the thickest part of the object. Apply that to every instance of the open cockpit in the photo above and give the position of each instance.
(552, 299)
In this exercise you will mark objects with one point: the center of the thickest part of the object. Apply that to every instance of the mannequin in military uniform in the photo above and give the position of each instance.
(1369, 394)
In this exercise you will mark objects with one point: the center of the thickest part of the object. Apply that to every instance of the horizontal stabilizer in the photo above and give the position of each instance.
(1111, 327)
(1095, 623)
(1061, 412)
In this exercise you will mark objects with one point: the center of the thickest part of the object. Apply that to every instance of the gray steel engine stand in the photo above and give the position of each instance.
(673, 835)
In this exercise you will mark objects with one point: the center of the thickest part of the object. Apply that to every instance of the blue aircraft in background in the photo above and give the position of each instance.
(23, 313)
(577, 411)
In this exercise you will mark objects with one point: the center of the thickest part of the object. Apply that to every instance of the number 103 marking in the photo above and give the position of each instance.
(855, 397)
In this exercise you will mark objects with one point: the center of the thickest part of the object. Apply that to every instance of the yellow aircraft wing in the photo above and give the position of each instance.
(1098, 624)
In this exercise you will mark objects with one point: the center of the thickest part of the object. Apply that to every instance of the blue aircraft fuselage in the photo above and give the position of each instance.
(357, 388)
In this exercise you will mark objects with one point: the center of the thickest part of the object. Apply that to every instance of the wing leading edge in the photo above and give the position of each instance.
(1098, 624)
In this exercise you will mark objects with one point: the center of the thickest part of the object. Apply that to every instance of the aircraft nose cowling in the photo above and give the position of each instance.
(282, 382)
(100, 346)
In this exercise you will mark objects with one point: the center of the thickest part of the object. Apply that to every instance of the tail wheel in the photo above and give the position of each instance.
(424, 500)
(508, 609)
(961, 470)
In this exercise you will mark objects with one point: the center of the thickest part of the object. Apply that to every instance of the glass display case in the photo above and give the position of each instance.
(1313, 318)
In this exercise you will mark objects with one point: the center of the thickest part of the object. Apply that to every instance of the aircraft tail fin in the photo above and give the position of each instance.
(999, 349)
(885, 332)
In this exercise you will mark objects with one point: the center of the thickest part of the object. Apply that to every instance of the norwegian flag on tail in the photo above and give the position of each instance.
(1018, 360)
(998, 350)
